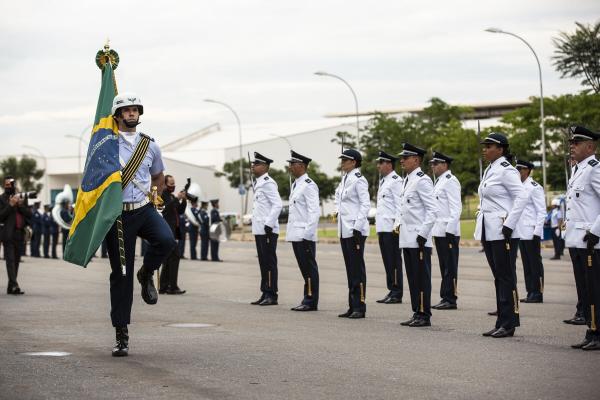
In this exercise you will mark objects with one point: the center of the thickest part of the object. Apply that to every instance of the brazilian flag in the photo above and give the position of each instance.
(100, 195)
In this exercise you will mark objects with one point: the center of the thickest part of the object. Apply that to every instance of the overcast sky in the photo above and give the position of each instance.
(259, 56)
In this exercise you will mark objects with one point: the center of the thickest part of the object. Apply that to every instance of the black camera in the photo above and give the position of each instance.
(27, 195)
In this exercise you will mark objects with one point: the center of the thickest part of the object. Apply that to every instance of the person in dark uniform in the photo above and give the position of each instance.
(266, 208)
(352, 205)
(183, 229)
(582, 218)
(215, 217)
(66, 215)
(204, 230)
(173, 207)
(46, 231)
(386, 225)
(418, 212)
(54, 233)
(502, 201)
(193, 230)
(36, 227)
(139, 218)
(13, 214)
(303, 221)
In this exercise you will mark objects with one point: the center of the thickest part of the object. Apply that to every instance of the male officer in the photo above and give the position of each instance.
(417, 216)
(583, 230)
(54, 232)
(46, 231)
(265, 227)
(302, 226)
(215, 218)
(352, 204)
(386, 223)
(531, 230)
(204, 230)
(193, 229)
(446, 230)
(556, 223)
(139, 218)
(174, 206)
(36, 226)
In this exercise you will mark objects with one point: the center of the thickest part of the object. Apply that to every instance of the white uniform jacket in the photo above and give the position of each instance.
(352, 204)
(304, 214)
(267, 205)
(388, 202)
(534, 215)
(502, 200)
(583, 203)
(418, 209)
(447, 197)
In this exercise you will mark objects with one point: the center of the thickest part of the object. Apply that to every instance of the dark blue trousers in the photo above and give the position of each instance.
(305, 252)
(266, 247)
(354, 258)
(193, 242)
(36, 237)
(392, 261)
(148, 224)
(418, 274)
(46, 244)
(204, 239)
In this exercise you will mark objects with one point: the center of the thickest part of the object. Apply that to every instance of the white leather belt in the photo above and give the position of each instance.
(135, 206)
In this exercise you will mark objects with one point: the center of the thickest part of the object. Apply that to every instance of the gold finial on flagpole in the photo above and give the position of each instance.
(107, 55)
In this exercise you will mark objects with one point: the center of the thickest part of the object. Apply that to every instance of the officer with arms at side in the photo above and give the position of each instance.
(204, 230)
(418, 212)
(531, 229)
(302, 226)
(139, 218)
(215, 218)
(386, 225)
(583, 230)
(352, 204)
(265, 228)
(446, 230)
(502, 200)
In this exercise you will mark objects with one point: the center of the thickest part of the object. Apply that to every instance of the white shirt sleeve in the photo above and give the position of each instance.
(425, 191)
(311, 193)
(272, 195)
(455, 206)
(514, 186)
(362, 190)
(539, 202)
(595, 183)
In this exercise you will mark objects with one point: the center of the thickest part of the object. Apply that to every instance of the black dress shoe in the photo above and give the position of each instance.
(594, 344)
(121, 348)
(268, 301)
(346, 314)
(393, 300)
(387, 296)
(493, 313)
(304, 307)
(576, 320)
(582, 344)
(356, 315)
(407, 322)
(163, 291)
(490, 332)
(204, 259)
(16, 291)
(438, 304)
(419, 323)
(532, 300)
(257, 302)
(175, 291)
(502, 332)
(446, 306)
(149, 293)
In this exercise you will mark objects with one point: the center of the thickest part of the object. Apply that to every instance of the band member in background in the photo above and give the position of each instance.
(215, 218)
(204, 230)
(37, 229)
(193, 229)
(46, 231)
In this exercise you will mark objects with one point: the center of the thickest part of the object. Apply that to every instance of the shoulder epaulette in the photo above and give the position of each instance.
(448, 176)
(358, 174)
(534, 183)
(593, 163)
(505, 163)
(266, 178)
(147, 137)
(420, 173)
(308, 180)
(395, 176)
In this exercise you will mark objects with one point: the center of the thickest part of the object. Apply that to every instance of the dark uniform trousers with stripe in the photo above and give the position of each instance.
(266, 247)
(392, 261)
(418, 273)
(148, 224)
(587, 282)
(447, 251)
(305, 252)
(355, 271)
(533, 269)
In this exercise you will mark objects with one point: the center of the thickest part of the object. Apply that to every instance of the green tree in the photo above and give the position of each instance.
(24, 171)
(577, 55)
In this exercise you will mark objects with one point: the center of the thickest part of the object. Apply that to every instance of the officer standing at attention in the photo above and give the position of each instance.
(46, 231)
(204, 230)
(302, 226)
(531, 229)
(386, 224)
(36, 225)
(54, 231)
(193, 229)
(446, 230)
(139, 218)
(352, 204)
(265, 227)
(418, 212)
(502, 200)
(583, 230)
(215, 218)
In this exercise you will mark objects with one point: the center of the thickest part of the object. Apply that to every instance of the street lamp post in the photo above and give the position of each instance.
(322, 73)
(45, 169)
(241, 189)
(497, 30)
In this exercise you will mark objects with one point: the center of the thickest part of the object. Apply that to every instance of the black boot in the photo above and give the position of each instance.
(149, 293)
(121, 348)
